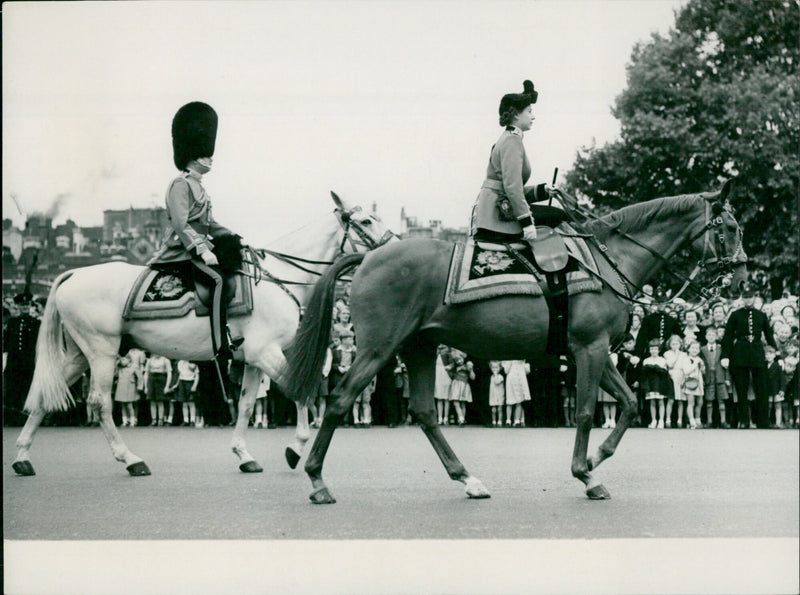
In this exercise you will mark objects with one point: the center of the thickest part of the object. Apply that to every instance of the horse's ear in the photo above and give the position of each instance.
(337, 200)
(727, 190)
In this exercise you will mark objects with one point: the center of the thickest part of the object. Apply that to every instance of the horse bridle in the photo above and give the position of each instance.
(348, 223)
(716, 242)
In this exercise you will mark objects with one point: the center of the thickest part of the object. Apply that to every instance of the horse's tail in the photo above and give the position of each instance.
(49, 390)
(306, 355)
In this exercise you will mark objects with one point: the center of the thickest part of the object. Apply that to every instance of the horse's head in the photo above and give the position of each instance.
(721, 241)
(360, 229)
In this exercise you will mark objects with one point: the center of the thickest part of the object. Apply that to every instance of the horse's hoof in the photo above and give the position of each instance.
(23, 468)
(476, 490)
(250, 467)
(322, 496)
(291, 457)
(138, 469)
(598, 492)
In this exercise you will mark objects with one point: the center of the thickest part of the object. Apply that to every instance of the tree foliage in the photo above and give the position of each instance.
(716, 97)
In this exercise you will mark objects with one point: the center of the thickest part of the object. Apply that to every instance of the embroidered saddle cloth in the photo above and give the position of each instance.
(159, 293)
(482, 270)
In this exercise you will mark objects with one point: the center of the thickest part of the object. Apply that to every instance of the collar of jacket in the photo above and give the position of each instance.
(514, 130)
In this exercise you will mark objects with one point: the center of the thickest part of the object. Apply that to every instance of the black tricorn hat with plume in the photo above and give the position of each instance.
(194, 133)
(519, 101)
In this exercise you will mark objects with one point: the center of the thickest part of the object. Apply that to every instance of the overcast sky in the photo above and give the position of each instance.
(391, 102)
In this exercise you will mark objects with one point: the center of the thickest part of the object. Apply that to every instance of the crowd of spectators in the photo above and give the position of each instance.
(677, 379)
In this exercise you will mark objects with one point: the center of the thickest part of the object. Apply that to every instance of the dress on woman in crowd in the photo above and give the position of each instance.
(126, 392)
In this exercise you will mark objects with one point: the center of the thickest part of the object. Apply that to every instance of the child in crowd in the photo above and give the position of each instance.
(260, 408)
(441, 390)
(655, 382)
(693, 369)
(497, 393)
(460, 392)
(343, 355)
(775, 384)
(126, 393)
(157, 379)
(675, 357)
(714, 387)
(517, 390)
(791, 391)
(317, 407)
(186, 385)
(362, 409)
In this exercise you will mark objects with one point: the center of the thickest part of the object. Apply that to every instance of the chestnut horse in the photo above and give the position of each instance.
(82, 327)
(397, 307)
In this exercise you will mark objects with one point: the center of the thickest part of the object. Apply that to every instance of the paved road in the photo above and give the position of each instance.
(390, 485)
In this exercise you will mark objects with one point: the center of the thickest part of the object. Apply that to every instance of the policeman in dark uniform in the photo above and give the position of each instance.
(743, 354)
(19, 343)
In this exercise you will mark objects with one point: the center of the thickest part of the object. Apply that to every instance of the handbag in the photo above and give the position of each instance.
(691, 383)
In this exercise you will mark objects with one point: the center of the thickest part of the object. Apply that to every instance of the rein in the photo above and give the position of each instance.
(258, 272)
(570, 204)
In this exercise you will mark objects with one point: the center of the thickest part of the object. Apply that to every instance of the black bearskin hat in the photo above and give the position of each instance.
(194, 133)
(519, 101)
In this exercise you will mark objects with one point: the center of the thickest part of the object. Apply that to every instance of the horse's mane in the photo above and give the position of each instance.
(638, 216)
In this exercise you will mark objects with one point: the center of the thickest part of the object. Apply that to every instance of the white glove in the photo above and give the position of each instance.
(724, 362)
(209, 258)
(529, 233)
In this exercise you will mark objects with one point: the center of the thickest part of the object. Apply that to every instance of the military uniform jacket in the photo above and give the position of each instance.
(506, 175)
(656, 325)
(742, 343)
(191, 225)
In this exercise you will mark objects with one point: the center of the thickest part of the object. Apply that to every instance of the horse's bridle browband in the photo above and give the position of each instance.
(725, 263)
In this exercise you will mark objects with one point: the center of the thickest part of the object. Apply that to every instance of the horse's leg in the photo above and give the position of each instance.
(364, 368)
(99, 399)
(302, 433)
(420, 359)
(590, 362)
(613, 383)
(251, 378)
(75, 366)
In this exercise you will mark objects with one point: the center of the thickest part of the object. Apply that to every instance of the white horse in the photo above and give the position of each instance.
(82, 327)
